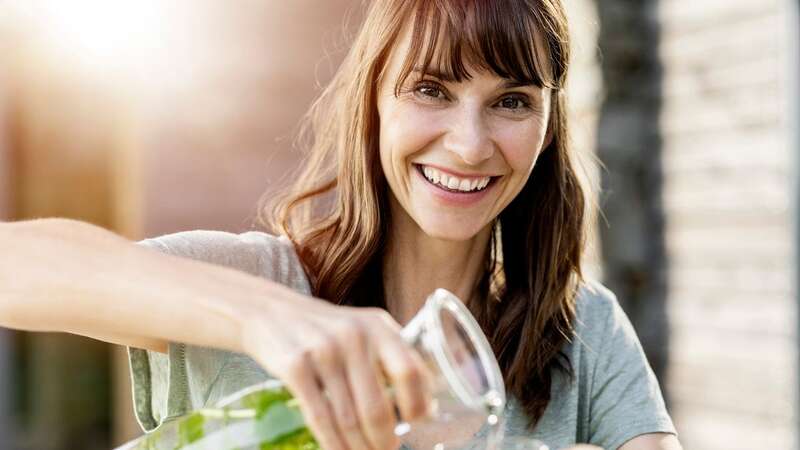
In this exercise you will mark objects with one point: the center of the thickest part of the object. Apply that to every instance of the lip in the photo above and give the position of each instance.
(454, 198)
(456, 174)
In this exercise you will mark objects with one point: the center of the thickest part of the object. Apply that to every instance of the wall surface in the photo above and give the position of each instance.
(727, 168)
(218, 126)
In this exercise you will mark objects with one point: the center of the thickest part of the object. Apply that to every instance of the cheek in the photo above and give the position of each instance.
(521, 146)
(520, 151)
(405, 131)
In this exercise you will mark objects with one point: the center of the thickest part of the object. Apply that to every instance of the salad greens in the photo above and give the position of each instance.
(266, 419)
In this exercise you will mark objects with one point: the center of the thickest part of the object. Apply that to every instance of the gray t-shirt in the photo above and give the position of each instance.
(613, 398)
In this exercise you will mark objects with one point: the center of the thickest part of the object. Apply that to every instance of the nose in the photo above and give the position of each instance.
(468, 135)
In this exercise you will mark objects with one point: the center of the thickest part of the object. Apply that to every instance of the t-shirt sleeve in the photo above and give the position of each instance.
(625, 397)
(169, 385)
(159, 385)
(156, 377)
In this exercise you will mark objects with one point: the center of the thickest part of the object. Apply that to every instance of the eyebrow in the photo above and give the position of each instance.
(511, 84)
(434, 72)
(446, 77)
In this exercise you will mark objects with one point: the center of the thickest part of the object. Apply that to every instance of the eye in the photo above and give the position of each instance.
(430, 91)
(514, 102)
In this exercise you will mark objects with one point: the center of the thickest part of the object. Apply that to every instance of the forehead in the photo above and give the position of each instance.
(434, 47)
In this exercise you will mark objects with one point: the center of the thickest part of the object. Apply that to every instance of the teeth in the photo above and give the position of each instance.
(454, 183)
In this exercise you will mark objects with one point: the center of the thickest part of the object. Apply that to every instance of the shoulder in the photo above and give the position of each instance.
(599, 319)
(595, 304)
(621, 396)
(255, 252)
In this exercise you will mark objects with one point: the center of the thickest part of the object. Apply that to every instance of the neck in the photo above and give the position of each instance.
(415, 264)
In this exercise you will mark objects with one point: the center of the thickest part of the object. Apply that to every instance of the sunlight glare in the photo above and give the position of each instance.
(106, 33)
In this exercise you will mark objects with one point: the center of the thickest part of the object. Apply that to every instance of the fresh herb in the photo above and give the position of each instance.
(190, 428)
(274, 414)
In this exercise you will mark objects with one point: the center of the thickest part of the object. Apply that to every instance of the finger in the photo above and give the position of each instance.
(302, 381)
(408, 376)
(373, 404)
(337, 389)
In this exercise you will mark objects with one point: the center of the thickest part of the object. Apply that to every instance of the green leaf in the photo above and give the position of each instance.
(262, 400)
(278, 421)
(299, 440)
(191, 429)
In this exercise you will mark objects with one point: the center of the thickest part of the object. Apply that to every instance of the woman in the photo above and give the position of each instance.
(438, 158)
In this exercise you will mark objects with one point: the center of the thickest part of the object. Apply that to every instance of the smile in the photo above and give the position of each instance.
(453, 183)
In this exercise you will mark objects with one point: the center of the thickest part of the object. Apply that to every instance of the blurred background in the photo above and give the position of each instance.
(149, 117)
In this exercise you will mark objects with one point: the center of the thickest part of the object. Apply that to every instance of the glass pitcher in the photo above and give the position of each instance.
(468, 399)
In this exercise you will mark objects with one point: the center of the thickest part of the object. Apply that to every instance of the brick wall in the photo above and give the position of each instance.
(727, 169)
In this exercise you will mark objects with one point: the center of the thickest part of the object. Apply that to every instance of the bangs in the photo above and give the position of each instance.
(450, 37)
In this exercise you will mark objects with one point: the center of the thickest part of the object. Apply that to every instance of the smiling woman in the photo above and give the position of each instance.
(465, 91)
(457, 134)
(438, 158)
(443, 143)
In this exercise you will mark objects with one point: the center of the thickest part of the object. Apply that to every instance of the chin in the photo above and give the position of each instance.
(450, 232)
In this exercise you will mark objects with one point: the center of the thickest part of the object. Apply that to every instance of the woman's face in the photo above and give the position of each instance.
(456, 153)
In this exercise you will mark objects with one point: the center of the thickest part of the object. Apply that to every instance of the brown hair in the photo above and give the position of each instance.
(337, 212)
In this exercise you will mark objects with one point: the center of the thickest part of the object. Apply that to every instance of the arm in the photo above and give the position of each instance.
(68, 276)
(653, 441)
(650, 441)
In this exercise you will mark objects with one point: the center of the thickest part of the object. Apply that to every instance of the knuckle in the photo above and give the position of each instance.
(381, 324)
(326, 352)
(378, 315)
(348, 421)
(297, 364)
(316, 414)
(408, 375)
(377, 414)
(351, 332)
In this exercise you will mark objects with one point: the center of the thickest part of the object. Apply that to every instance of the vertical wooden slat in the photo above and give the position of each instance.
(793, 56)
(728, 232)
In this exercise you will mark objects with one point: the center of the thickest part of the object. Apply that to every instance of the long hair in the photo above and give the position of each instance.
(337, 212)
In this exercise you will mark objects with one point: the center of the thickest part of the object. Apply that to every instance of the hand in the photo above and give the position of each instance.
(335, 360)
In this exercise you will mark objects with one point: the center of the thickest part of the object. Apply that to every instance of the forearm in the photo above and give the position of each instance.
(58, 275)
